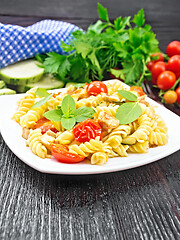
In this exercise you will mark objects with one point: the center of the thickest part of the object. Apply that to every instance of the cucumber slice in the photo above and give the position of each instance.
(5, 91)
(22, 73)
(2, 84)
(47, 82)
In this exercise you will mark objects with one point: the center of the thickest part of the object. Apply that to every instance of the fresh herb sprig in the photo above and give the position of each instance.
(67, 113)
(124, 43)
(128, 111)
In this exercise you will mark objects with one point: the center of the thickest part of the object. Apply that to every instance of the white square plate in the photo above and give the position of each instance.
(11, 133)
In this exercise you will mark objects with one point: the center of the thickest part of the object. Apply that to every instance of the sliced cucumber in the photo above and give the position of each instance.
(2, 84)
(22, 73)
(47, 82)
(5, 91)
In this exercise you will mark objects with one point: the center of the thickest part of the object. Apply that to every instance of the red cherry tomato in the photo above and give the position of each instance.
(87, 130)
(157, 55)
(173, 48)
(44, 124)
(150, 65)
(157, 69)
(174, 63)
(178, 94)
(96, 87)
(166, 80)
(138, 89)
(62, 154)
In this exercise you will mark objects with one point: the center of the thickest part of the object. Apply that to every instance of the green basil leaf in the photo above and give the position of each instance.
(127, 95)
(68, 106)
(53, 115)
(41, 92)
(103, 14)
(83, 113)
(68, 123)
(41, 102)
(128, 112)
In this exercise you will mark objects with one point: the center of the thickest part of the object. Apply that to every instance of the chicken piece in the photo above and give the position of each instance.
(111, 98)
(107, 121)
(25, 132)
(47, 139)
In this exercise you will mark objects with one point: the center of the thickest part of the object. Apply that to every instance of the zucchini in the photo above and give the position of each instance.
(5, 91)
(2, 84)
(47, 82)
(22, 73)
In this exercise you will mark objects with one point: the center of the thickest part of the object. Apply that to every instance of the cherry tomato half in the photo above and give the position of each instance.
(44, 124)
(174, 63)
(166, 80)
(178, 94)
(170, 96)
(138, 89)
(96, 87)
(62, 154)
(156, 70)
(87, 130)
(173, 48)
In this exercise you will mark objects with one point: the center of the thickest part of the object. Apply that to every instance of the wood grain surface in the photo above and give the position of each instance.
(141, 203)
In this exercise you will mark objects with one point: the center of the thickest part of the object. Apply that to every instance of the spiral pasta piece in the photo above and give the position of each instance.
(65, 138)
(139, 147)
(32, 116)
(25, 104)
(157, 137)
(84, 149)
(35, 145)
(99, 158)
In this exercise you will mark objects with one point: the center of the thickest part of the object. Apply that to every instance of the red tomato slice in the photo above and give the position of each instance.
(62, 154)
(96, 87)
(87, 130)
(138, 89)
(44, 124)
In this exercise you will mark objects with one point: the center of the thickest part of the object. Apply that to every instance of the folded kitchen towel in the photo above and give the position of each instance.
(18, 43)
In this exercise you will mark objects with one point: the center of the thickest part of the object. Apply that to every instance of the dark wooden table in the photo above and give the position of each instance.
(141, 203)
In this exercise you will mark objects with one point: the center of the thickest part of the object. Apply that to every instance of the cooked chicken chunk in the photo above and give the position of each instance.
(107, 121)
(25, 132)
(47, 139)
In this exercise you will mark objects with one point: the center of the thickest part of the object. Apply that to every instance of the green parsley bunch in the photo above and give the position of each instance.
(124, 44)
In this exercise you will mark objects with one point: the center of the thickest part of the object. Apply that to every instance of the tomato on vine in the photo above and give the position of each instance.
(178, 94)
(173, 48)
(157, 69)
(166, 80)
(174, 64)
(170, 96)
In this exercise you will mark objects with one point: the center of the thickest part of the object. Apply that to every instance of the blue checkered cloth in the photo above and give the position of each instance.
(18, 43)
